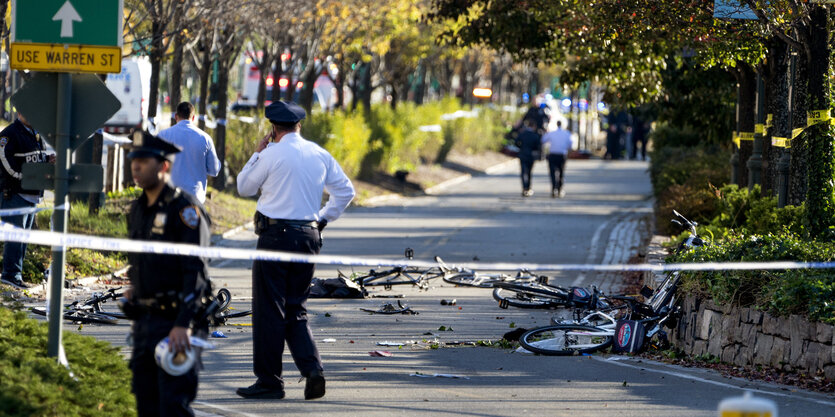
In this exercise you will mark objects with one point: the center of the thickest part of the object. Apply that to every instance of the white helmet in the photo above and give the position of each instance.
(174, 364)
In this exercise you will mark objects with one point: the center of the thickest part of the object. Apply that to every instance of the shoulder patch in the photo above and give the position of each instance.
(190, 217)
(3, 141)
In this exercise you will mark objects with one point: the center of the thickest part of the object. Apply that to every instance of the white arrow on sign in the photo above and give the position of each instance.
(67, 14)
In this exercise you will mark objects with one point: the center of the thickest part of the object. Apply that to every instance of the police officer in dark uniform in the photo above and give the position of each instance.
(167, 291)
(19, 144)
(291, 174)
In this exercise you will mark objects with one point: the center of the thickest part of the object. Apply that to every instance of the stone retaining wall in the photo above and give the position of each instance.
(747, 337)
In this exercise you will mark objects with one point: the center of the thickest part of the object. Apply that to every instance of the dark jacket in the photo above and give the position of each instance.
(19, 145)
(529, 144)
(176, 217)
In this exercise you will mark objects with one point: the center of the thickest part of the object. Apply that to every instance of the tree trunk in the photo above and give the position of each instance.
(278, 71)
(747, 84)
(776, 96)
(219, 181)
(339, 85)
(264, 66)
(820, 210)
(176, 66)
(798, 170)
(306, 95)
(365, 89)
(205, 70)
(156, 55)
(420, 84)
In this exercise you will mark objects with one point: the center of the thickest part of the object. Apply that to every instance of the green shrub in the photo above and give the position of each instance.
(32, 384)
(781, 292)
(241, 140)
(345, 135)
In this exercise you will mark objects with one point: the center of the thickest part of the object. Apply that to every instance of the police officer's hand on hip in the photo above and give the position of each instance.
(291, 174)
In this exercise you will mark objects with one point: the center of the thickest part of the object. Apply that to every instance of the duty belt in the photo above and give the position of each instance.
(288, 223)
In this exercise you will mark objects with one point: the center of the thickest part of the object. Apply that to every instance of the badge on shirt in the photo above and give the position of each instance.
(159, 224)
(3, 141)
(190, 217)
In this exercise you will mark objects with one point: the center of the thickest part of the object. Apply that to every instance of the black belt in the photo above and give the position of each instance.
(289, 223)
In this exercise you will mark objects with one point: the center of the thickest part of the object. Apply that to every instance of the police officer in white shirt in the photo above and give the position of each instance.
(291, 173)
(560, 143)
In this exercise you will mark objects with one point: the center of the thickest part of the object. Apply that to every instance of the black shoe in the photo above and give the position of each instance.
(315, 386)
(14, 281)
(258, 390)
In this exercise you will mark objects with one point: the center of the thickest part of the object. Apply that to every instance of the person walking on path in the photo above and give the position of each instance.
(530, 150)
(291, 174)
(19, 144)
(559, 144)
(167, 291)
(198, 159)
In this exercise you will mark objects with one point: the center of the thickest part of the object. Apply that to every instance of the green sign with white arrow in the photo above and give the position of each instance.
(73, 22)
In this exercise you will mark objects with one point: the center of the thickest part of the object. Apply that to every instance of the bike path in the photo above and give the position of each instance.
(605, 211)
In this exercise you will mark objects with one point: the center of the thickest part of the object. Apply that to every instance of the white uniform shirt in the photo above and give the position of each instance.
(291, 175)
(559, 140)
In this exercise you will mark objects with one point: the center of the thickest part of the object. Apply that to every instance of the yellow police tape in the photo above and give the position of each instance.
(813, 118)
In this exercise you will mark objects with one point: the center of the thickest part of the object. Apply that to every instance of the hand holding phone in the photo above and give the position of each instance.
(265, 141)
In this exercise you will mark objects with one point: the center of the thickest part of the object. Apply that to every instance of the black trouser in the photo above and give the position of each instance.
(527, 167)
(157, 393)
(280, 291)
(556, 162)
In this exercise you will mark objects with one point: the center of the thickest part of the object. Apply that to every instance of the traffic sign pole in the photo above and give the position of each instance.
(59, 215)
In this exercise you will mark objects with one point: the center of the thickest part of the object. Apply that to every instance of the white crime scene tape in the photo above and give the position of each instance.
(29, 210)
(9, 233)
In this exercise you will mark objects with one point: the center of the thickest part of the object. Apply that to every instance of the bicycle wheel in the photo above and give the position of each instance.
(224, 297)
(559, 294)
(521, 299)
(565, 340)
(80, 316)
(88, 317)
(226, 314)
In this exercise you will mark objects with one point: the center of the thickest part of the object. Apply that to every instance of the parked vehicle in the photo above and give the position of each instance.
(132, 87)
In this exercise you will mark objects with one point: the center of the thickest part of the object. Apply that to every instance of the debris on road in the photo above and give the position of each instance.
(422, 375)
(218, 333)
(389, 308)
(449, 303)
(329, 340)
(397, 344)
(381, 353)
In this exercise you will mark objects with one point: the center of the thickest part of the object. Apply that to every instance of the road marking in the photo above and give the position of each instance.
(683, 375)
(595, 241)
(217, 407)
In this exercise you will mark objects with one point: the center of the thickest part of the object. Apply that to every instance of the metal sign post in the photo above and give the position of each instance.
(65, 36)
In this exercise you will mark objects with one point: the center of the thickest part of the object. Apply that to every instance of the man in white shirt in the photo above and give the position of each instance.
(198, 158)
(559, 145)
(291, 173)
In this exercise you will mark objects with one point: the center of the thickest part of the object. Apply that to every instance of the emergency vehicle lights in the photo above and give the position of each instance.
(482, 92)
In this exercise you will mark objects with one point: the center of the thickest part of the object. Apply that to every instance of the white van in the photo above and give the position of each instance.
(132, 88)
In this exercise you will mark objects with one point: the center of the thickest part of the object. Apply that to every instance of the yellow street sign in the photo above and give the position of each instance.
(54, 57)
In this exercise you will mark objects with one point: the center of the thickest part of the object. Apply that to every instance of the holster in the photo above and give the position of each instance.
(260, 222)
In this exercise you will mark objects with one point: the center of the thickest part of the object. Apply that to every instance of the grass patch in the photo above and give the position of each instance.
(32, 384)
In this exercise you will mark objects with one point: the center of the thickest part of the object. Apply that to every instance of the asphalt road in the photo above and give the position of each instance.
(604, 218)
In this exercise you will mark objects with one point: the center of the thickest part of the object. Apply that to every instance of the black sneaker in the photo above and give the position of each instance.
(14, 281)
(315, 386)
(258, 390)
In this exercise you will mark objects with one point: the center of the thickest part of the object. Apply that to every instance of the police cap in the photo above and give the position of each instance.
(146, 145)
(284, 112)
